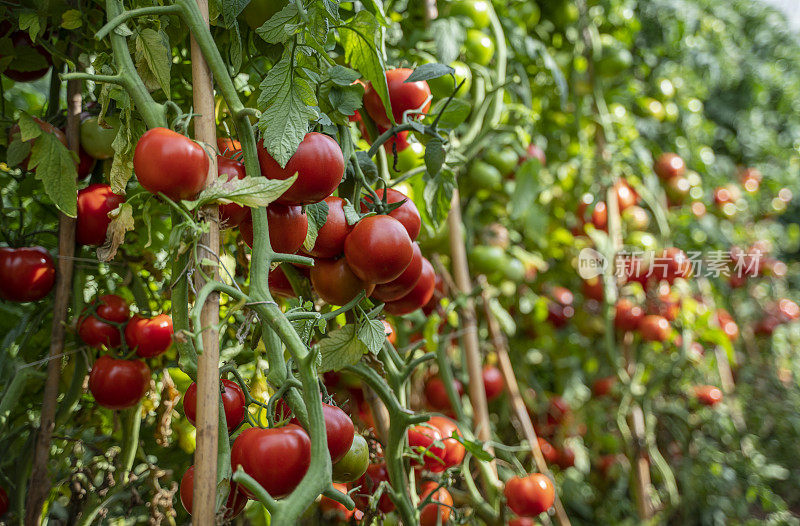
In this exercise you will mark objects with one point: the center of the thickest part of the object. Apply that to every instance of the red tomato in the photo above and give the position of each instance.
(669, 165)
(400, 139)
(118, 384)
(233, 400)
(727, 324)
(521, 521)
(549, 453)
(279, 284)
(438, 511)
(558, 315)
(318, 163)
(21, 39)
(654, 328)
(95, 202)
(3, 502)
(534, 152)
(368, 485)
(233, 506)
(407, 213)
(336, 509)
(436, 394)
(422, 440)
(566, 458)
(418, 296)
(228, 147)
(594, 289)
(670, 264)
(95, 332)
(403, 96)
(603, 386)
(85, 163)
(628, 316)
(168, 162)
(454, 451)
(626, 196)
(708, 394)
(149, 336)
(378, 249)
(391, 335)
(231, 214)
(330, 239)
(335, 282)
(493, 382)
(559, 410)
(277, 458)
(402, 284)
(788, 310)
(530, 495)
(339, 430)
(600, 216)
(26, 273)
(288, 227)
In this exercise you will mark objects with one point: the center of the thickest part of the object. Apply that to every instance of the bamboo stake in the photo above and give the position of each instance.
(39, 485)
(205, 458)
(517, 403)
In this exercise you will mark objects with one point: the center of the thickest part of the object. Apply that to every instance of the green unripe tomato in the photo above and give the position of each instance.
(487, 259)
(182, 380)
(505, 160)
(259, 11)
(442, 87)
(97, 140)
(530, 13)
(354, 463)
(408, 158)
(484, 175)
(475, 10)
(643, 240)
(514, 270)
(479, 47)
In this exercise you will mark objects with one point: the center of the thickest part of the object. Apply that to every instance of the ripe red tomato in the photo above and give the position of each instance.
(438, 511)
(85, 163)
(399, 139)
(549, 453)
(787, 310)
(337, 510)
(378, 249)
(530, 495)
(600, 216)
(493, 382)
(368, 485)
(708, 394)
(233, 506)
(335, 282)
(318, 163)
(95, 202)
(558, 314)
(603, 386)
(339, 430)
(670, 264)
(118, 384)
(669, 165)
(422, 440)
(654, 328)
(566, 458)
(279, 284)
(403, 96)
(436, 394)
(231, 214)
(3, 502)
(228, 147)
(521, 521)
(626, 196)
(21, 39)
(407, 213)
(168, 162)
(391, 335)
(594, 289)
(558, 410)
(26, 273)
(402, 284)
(288, 227)
(454, 451)
(95, 332)
(418, 296)
(149, 336)
(233, 400)
(330, 238)
(533, 151)
(628, 316)
(277, 458)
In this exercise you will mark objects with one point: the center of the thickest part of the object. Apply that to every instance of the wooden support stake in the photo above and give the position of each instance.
(205, 457)
(39, 485)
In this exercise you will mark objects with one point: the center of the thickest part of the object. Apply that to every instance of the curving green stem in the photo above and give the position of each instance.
(131, 13)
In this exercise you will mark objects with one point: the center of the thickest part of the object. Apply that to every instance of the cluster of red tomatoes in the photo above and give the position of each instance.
(119, 383)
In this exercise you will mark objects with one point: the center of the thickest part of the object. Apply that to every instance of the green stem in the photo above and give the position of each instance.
(240, 477)
(102, 79)
(388, 134)
(130, 428)
(131, 13)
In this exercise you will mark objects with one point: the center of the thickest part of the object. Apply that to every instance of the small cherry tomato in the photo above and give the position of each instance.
(426, 441)
(287, 225)
(118, 384)
(454, 451)
(95, 332)
(339, 430)
(149, 336)
(330, 238)
(708, 394)
(368, 484)
(529, 495)
(493, 382)
(654, 328)
(549, 453)
(669, 165)
(436, 394)
(402, 284)
(628, 316)
(438, 511)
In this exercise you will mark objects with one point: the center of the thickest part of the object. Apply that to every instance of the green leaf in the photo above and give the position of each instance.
(372, 333)
(448, 36)
(250, 191)
(317, 216)
(54, 165)
(342, 76)
(432, 70)
(368, 166)
(350, 214)
(476, 448)
(340, 349)
(154, 59)
(346, 100)
(453, 114)
(71, 19)
(30, 21)
(274, 30)
(123, 145)
(28, 128)
(231, 9)
(361, 40)
(18, 151)
(438, 194)
(434, 156)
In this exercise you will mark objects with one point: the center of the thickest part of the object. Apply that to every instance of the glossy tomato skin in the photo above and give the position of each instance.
(422, 440)
(149, 336)
(454, 451)
(337, 510)
(231, 214)
(26, 273)
(118, 384)
(277, 458)
(407, 213)
(493, 382)
(529, 496)
(654, 328)
(97, 140)
(95, 202)
(403, 96)
(522, 521)
(354, 463)
(170, 163)
(708, 394)
(95, 332)
(440, 507)
(402, 284)
(234, 505)
(368, 484)
(626, 196)
(549, 453)
(669, 165)
(436, 393)
(279, 284)
(378, 249)
(330, 238)
(335, 281)
(288, 227)
(233, 400)
(319, 165)
(339, 430)
(418, 296)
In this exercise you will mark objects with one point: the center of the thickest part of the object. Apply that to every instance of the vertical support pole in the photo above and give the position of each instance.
(205, 457)
(39, 485)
